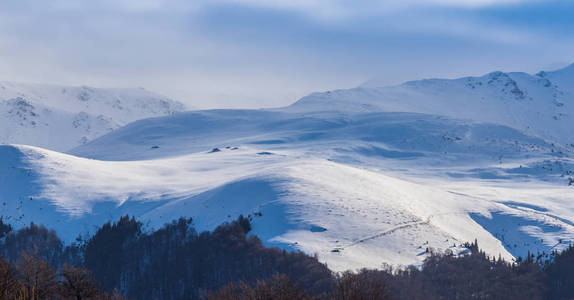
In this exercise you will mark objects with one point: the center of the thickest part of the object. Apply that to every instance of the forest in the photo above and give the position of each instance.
(124, 261)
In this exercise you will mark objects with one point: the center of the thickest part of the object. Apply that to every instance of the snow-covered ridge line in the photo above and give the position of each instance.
(541, 104)
(62, 117)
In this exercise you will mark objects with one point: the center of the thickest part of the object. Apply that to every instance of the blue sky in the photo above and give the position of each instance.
(262, 53)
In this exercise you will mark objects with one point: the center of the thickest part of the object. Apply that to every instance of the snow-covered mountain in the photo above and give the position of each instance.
(358, 189)
(357, 176)
(61, 118)
(541, 104)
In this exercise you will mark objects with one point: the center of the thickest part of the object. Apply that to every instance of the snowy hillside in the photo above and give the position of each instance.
(362, 177)
(60, 118)
(358, 189)
(541, 104)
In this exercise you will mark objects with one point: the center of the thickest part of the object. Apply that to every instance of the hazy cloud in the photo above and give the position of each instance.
(251, 53)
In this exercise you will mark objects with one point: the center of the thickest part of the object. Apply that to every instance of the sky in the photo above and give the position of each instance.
(270, 53)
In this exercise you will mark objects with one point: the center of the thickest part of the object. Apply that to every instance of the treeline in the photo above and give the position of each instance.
(176, 262)
(33, 278)
(442, 276)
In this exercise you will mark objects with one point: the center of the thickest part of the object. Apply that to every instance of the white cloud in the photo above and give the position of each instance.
(470, 3)
(319, 8)
(186, 48)
(345, 8)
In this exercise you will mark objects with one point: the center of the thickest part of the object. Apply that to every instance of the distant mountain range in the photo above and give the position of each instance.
(541, 104)
(61, 118)
(362, 177)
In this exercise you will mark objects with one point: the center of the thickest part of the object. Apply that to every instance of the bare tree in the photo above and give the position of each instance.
(78, 284)
(38, 278)
(279, 287)
(364, 285)
(10, 287)
(115, 295)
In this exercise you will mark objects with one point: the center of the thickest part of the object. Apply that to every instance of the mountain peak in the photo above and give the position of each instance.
(64, 117)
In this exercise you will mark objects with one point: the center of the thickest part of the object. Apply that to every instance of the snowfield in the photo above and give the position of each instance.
(363, 177)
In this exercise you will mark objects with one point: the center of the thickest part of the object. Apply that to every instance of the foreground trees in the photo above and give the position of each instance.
(176, 262)
(37, 277)
(78, 284)
(364, 285)
(279, 287)
(10, 286)
(33, 278)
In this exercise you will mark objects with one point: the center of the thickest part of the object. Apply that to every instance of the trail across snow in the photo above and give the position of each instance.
(386, 232)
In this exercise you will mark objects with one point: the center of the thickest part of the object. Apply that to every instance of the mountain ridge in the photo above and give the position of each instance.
(361, 177)
(63, 117)
(538, 105)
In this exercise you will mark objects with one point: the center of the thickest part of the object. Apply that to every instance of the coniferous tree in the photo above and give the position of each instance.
(103, 253)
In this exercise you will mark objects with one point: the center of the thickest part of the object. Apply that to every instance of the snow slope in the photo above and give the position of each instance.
(61, 118)
(358, 189)
(393, 135)
(361, 177)
(541, 104)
